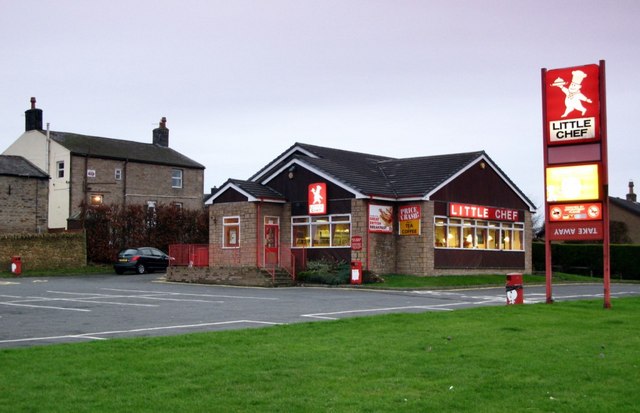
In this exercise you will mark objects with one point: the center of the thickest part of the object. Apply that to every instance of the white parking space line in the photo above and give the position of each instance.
(48, 307)
(154, 296)
(195, 295)
(437, 307)
(96, 335)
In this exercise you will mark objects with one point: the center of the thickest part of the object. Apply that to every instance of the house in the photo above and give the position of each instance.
(24, 190)
(624, 217)
(91, 170)
(432, 215)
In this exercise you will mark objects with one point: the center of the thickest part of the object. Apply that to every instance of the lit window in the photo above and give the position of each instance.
(60, 169)
(176, 178)
(96, 199)
(231, 232)
(477, 234)
(321, 231)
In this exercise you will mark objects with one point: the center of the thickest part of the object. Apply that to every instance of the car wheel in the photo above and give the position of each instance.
(119, 271)
(140, 269)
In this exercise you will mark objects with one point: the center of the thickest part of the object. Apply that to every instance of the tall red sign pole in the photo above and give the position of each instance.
(575, 160)
(606, 257)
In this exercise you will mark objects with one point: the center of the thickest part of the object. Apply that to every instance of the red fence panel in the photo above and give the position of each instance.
(192, 255)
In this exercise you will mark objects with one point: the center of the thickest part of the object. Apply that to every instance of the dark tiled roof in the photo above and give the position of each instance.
(84, 145)
(419, 176)
(18, 166)
(630, 206)
(255, 189)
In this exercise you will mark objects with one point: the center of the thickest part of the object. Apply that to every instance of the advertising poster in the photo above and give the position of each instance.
(409, 220)
(380, 218)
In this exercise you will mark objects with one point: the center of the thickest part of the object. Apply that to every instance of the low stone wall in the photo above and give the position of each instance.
(241, 276)
(44, 251)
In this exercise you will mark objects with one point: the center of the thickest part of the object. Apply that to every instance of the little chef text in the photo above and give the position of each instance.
(482, 212)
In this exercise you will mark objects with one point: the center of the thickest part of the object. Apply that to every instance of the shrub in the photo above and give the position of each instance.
(324, 271)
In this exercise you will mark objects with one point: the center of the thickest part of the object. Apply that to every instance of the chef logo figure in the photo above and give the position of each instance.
(317, 194)
(574, 97)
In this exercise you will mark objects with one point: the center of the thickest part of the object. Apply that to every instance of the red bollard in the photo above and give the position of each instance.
(515, 291)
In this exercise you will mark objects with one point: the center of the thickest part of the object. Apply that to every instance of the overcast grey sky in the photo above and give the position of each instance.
(242, 80)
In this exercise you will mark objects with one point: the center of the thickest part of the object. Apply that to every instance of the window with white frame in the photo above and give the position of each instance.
(231, 232)
(60, 169)
(176, 178)
(118, 174)
(321, 231)
(478, 234)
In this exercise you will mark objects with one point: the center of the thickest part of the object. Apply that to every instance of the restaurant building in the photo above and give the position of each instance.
(424, 216)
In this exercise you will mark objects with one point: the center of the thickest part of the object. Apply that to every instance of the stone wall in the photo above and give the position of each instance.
(44, 251)
(224, 275)
(23, 204)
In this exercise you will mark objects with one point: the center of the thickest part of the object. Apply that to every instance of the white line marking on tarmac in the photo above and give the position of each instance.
(48, 307)
(94, 336)
(194, 295)
(437, 307)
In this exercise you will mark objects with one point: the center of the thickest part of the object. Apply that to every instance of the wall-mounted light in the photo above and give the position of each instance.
(483, 165)
(291, 173)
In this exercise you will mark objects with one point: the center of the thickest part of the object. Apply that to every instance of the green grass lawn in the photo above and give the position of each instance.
(565, 357)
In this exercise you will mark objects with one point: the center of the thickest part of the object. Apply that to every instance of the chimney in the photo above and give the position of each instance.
(161, 134)
(631, 196)
(33, 117)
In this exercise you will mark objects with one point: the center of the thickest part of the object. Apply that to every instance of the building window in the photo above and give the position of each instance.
(96, 199)
(178, 205)
(478, 234)
(176, 178)
(231, 232)
(321, 231)
(60, 169)
(118, 174)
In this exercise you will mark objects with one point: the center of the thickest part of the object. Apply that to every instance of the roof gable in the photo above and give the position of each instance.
(253, 191)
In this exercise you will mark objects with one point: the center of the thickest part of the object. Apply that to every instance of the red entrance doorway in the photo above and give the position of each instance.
(271, 242)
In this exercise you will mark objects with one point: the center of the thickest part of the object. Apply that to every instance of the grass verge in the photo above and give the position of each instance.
(565, 357)
(396, 281)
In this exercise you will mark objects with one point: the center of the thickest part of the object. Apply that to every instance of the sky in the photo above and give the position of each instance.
(241, 81)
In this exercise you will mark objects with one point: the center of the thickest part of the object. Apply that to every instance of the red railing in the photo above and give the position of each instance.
(191, 255)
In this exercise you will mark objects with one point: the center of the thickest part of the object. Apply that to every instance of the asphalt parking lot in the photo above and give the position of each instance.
(38, 311)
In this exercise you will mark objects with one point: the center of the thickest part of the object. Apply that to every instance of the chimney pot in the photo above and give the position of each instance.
(33, 117)
(631, 196)
(161, 134)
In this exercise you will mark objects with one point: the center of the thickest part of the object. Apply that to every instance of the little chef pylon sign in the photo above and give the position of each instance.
(572, 104)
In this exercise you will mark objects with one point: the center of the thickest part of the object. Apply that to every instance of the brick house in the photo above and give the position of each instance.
(90, 170)
(24, 190)
(625, 215)
(433, 215)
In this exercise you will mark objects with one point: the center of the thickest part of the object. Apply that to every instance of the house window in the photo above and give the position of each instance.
(60, 169)
(118, 174)
(176, 178)
(321, 231)
(231, 232)
(178, 205)
(478, 234)
(96, 199)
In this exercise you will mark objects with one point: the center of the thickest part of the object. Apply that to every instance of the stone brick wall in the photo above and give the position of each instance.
(245, 255)
(23, 204)
(617, 213)
(224, 275)
(139, 183)
(44, 251)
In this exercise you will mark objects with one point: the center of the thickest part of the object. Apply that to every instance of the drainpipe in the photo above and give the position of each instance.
(258, 213)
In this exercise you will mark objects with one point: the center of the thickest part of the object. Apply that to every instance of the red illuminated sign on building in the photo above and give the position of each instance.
(575, 212)
(482, 212)
(317, 198)
(573, 104)
(568, 231)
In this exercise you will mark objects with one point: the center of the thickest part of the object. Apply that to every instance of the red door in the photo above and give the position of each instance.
(271, 245)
